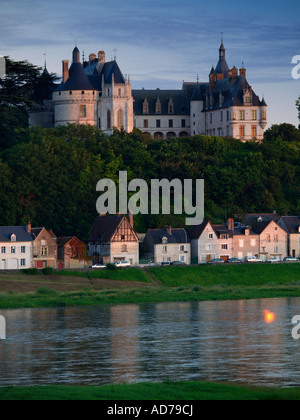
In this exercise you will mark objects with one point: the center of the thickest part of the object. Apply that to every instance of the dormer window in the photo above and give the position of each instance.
(145, 107)
(158, 107)
(247, 97)
(164, 240)
(171, 107)
(13, 238)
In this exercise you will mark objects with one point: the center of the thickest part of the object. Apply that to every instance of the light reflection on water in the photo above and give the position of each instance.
(217, 341)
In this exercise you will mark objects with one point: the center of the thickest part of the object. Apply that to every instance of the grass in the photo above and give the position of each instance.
(168, 284)
(169, 391)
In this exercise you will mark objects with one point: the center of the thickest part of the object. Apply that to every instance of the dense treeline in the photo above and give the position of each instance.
(50, 176)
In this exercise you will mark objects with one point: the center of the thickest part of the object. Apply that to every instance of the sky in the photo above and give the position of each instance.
(160, 43)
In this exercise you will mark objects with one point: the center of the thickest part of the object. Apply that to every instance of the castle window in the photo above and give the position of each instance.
(254, 131)
(228, 115)
(264, 115)
(146, 123)
(221, 116)
(254, 115)
(157, 123)
(242, 130)
(120, 119)
(108, 120)
(70, 92)
(183, 123)
(82, 93)
(170, 123)
(82, 111)
(242, 115)
(120, 92)
(171, 107)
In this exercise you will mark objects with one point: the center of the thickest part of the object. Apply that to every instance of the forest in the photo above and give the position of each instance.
(50, 175)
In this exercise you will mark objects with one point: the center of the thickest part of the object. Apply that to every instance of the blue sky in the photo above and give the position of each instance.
(161, 43)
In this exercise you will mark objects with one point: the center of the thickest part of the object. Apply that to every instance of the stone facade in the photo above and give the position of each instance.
(291, 224)
(15, 248)
(72, 253)
(273, 240)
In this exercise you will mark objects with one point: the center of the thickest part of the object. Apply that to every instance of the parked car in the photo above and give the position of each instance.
(253, 259)
(122, 264)
(216, 261)
(275, 260)
(234, 261)
(178, 263)
(99, 266)
(291, 259)
(165, 263)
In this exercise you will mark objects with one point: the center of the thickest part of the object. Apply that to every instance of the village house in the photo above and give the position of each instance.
(168, 245)
(291, 224)
(113, 239)
(225, 239)
(273, 240)
(44, 247)
(204, 242)
(245, 243)
(15, 248)
(72, 253)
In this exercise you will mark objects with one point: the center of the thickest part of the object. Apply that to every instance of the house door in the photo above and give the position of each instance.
(207, 258)
(294, 253)
(3, 265)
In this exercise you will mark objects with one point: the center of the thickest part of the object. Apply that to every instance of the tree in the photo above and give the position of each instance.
(285, 132)
(298, 108)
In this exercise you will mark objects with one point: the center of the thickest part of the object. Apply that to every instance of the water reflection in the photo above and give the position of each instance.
(227, 341)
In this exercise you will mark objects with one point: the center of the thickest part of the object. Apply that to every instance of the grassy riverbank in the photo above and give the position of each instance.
(196, 283)
(172, 391)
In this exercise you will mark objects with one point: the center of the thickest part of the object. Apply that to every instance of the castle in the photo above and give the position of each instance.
(95, 92)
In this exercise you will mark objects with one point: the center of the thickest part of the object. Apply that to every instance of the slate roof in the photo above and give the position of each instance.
(20, 231)
(196, 231)
(260, 227)
(78, 80)
(292, 223)
(178, 97)
(178, 236)
(250, 219)
(104, 228)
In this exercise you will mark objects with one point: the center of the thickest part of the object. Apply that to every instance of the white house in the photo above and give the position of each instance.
(168, 245)
(15, 248)
(204, 242)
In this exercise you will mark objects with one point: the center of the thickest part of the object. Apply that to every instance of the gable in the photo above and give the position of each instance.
(124, 232)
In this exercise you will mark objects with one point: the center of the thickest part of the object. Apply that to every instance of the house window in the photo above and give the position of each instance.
(224, 236)
(208, 247)
(211, 118)
(45, 252)
(165, 249)
(13, 238)
(120, 119)
(182, 248)
(276, 249)
(124, 248)
(3, 250)
(164, 240)
(241, 243)
(146, 123)
(224, 246)
(253, 242)
(221, 116)
(13, 250)
(23, 262)
(23, 249)
(157, 123)
(210, 236)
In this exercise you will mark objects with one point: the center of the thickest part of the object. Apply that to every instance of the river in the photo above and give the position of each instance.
(215, 341)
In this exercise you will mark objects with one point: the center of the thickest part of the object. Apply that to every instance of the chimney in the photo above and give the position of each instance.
(65, 70)
(130, 218)
(101, 56)
(28, 227)
(234, 72)
(92, 57)
(243, 72)
(230, 224)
